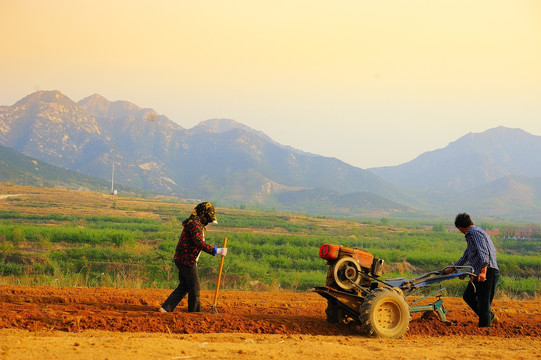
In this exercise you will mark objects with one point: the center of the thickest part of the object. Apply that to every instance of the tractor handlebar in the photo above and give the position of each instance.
(466, 270)
(431, 278)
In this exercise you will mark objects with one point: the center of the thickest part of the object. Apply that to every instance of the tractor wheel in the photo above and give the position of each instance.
(384, 313)
(346, 268)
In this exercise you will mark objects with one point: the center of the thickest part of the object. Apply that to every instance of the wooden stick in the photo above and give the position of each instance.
(214, 310)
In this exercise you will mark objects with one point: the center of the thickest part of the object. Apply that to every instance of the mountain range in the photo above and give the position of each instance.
(494, 173)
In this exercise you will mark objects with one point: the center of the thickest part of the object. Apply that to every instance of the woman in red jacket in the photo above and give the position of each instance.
(189, 247)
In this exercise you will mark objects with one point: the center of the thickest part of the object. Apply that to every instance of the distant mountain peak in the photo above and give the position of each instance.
(95, 98)
(496, 134)
(221, 126)
(98, 105)
(96, 102)
(473, 160)
(45, 96)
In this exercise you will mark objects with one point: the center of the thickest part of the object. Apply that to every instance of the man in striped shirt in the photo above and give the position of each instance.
(480, 253)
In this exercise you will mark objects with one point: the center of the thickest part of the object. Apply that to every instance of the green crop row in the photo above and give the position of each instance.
(117, 251)
(17, 234)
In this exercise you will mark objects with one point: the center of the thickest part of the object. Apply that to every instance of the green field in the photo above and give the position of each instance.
(128, 242)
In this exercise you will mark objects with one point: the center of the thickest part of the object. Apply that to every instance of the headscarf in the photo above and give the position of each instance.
(203, 212)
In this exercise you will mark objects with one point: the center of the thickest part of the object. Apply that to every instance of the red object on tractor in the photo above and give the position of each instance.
(365, 260)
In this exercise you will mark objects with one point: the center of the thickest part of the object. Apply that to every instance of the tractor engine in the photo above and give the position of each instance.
(349, 266)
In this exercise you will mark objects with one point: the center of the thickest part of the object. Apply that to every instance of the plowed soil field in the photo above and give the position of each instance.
(107, 323)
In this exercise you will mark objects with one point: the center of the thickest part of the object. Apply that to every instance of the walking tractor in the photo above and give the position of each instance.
(355, 292)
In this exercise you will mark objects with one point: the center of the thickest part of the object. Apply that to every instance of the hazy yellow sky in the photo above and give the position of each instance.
(373, 82)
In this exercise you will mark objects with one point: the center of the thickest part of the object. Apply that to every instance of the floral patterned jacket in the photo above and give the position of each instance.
(191, 243)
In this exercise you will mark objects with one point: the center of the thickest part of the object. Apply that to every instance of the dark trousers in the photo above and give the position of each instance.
(479, 296)
(189, 284)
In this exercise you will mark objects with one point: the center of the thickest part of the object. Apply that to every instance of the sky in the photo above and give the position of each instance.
(370, 82)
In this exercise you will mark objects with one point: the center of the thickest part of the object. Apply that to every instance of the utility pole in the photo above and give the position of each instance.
(113, 172)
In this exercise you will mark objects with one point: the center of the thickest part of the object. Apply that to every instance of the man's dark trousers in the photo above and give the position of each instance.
(479, 296)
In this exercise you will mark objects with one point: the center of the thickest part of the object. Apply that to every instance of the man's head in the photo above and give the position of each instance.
(205, 212)
(463, 222)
